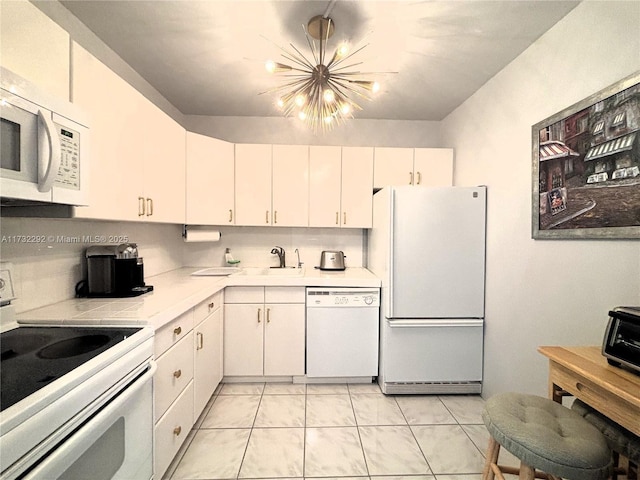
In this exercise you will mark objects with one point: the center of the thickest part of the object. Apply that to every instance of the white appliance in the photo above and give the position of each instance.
(342, 332)
(43, 153)
(427, 245)
(75, 402)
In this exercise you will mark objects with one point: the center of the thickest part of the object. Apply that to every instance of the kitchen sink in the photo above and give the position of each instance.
(270, 272)
(216, 271)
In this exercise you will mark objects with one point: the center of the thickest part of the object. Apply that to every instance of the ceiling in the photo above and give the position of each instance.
(207, 57)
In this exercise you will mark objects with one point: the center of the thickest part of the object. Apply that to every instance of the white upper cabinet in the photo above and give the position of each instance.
(408, 166)
(210, 181)
(434, 167)
(357, 187)
(253, 184)
(272, 185)
(117, 152)
(290, 186)
(137, 151)
(341, 187)
(325, 178)
(393, 166)
(163, 186)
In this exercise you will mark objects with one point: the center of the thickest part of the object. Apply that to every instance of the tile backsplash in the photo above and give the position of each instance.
(48, 254)
(252, 246)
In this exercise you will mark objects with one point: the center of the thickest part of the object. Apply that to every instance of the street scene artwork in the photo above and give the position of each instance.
(587, 168)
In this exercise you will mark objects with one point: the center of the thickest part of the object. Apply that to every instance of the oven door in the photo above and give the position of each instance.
(115, 443)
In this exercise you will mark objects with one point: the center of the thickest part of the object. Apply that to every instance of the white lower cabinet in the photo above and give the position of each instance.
(188, 351)
(172, 429)
(207, 350)
(264, 331)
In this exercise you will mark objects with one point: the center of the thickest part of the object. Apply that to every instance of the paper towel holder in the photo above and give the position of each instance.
(206, 234)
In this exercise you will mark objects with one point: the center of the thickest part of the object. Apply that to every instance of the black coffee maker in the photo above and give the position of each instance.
(115, 271)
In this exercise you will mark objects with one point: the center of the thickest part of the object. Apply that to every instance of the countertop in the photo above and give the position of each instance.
(177, 291)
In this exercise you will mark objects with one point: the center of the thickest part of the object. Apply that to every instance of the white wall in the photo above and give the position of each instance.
(543, 292)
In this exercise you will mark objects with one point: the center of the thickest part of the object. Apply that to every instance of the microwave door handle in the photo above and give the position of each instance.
(48, 152)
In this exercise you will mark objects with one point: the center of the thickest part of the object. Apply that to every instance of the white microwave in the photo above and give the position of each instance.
(43, 152)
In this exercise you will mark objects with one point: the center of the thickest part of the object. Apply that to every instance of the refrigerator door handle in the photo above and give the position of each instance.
(435, 322)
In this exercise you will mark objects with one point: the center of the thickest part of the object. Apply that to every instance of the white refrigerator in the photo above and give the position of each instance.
(427, 244)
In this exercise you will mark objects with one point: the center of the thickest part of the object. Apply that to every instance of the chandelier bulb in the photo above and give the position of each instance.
(328, 95)
(345, 109)
(270, 65)
(300, 100)
(375, 88)
(302, 116)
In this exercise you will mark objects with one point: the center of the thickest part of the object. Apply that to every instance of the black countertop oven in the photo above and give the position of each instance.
(621, 343)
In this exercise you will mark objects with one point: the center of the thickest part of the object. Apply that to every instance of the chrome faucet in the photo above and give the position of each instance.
(299, 262)
(280, 252)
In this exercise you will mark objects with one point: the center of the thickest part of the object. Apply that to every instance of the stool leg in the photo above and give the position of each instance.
(493, 450)
(526, 472)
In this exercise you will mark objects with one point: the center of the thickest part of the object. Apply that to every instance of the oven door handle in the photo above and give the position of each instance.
(58, 461)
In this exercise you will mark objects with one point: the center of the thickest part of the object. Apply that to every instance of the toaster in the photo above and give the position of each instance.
(332, 260)
(621, 345)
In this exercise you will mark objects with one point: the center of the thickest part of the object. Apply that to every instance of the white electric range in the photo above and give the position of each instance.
(72, 398)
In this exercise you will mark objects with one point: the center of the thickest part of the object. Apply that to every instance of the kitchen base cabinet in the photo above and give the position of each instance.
(172, 429)
(207, 351)
(264, 331)
(188, 351)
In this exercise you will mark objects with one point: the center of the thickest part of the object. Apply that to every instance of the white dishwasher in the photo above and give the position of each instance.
(342, 331)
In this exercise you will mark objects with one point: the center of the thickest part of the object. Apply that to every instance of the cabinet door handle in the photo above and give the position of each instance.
(177, 431)
(200, 336)
(211, 305)
(150, 207)
(419, 178)
(266, 217)
(410, 178)
(259, 312)
(177, 373)
(141, 206)
(230, 215)
(177, 330)
(275, 216)
(268, 315)
(344, 218)
(337, 218)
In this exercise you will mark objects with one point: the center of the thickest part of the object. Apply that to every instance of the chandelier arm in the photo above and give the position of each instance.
(298, 59)
(338, 88)
(301, 58)
(311, 43)
(339, 60)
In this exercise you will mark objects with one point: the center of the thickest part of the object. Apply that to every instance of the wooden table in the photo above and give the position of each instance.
(584, 373)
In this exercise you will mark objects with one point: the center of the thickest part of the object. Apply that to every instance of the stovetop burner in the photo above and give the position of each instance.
(33, 357)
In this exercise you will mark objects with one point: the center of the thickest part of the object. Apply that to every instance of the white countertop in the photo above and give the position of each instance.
(177, 291)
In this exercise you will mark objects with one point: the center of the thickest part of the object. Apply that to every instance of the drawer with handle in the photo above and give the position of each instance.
(175, 371)
(206, 308)
(172, 429)
(172, 332)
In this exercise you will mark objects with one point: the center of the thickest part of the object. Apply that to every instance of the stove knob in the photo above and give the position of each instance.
(368, 300)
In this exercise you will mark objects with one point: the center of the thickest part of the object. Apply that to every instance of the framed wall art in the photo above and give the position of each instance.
(586, 167)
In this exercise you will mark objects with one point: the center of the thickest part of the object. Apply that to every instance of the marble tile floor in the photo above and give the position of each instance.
(347, 431)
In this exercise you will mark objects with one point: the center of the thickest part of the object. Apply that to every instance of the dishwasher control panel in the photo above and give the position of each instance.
(343, 297)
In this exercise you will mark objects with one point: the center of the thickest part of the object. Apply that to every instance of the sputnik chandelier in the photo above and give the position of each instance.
(322, 91)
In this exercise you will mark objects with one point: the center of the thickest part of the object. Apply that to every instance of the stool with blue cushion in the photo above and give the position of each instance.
(550, 440)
